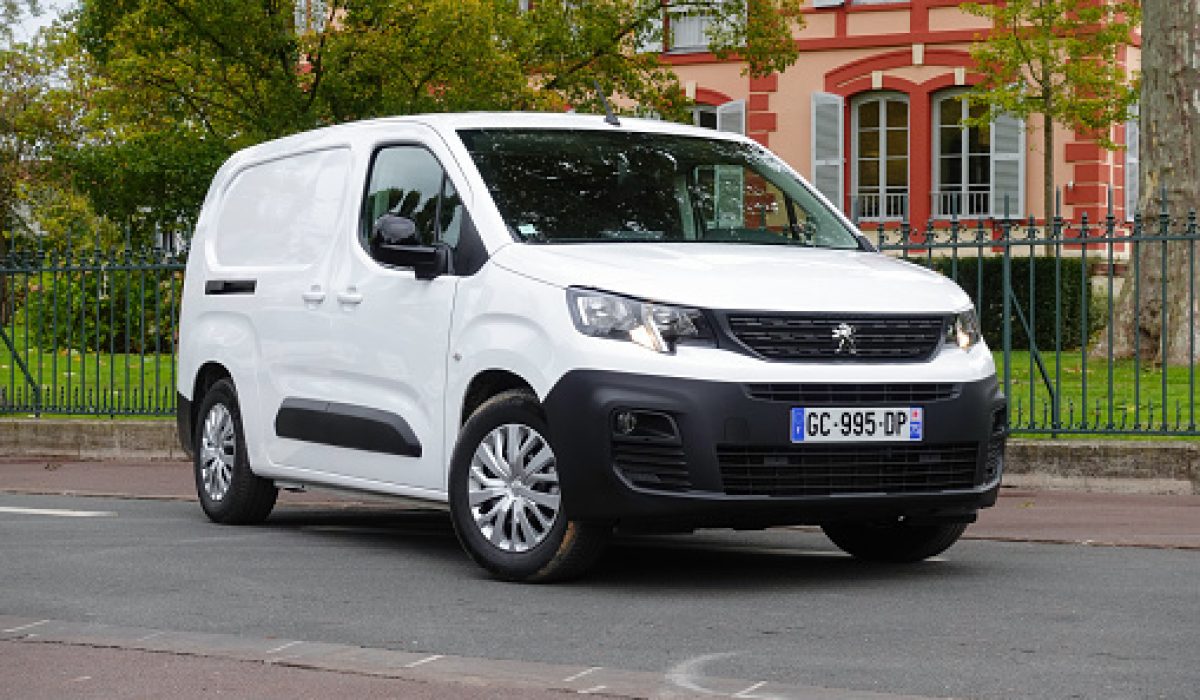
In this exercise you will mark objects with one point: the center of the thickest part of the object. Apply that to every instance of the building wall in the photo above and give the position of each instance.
(917, 48)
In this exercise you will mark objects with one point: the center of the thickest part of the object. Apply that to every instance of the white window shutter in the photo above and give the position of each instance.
(828, 135)
(1133, 162)
(731, 117)
(1008, 166)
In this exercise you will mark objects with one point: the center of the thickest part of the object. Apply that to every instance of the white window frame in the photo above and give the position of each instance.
(965, 187)
(855, 209)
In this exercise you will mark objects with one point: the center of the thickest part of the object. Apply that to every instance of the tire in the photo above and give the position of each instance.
(894, 541)
(511, 523)
(230, 493)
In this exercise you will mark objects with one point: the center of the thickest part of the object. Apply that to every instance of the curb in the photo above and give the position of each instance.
(107, 440)
(1092, 465)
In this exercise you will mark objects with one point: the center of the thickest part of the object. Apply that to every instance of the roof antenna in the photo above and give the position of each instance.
(609, 117)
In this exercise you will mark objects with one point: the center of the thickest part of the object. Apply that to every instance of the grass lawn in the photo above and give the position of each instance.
(100, 383)
(1136, 404)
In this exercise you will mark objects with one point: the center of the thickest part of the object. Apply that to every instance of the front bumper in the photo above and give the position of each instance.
(719, 454)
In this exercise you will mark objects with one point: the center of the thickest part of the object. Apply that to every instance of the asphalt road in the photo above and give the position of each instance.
(986, 620)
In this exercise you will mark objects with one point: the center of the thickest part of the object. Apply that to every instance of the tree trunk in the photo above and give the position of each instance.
(1170, 166)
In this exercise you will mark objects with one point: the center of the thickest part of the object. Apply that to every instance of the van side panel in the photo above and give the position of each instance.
(281, 213)
(230, 341)
(261, 249)
(498, 324)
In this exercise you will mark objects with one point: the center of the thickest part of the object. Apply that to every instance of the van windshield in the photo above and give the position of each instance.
(572, 186)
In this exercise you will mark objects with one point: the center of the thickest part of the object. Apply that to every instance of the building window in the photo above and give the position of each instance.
(880, 160)
(962, 163)
(690, 27)
(311, 15)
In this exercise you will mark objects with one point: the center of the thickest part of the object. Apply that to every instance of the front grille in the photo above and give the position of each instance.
(798, 337)
(853, 394)
(652, 466)
(820, 470)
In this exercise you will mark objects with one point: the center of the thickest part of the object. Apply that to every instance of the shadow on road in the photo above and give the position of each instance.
(713, 560)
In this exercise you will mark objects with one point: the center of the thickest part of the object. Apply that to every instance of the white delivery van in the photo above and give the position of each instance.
(561, 326)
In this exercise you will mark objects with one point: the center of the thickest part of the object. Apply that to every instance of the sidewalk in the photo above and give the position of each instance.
(1022, 514)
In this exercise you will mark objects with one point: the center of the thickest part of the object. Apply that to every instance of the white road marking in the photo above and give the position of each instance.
(593, 689)
(687, 674)
(281, 647)
(150, 636)
(24, 627)
(61, 513)
(581, 674)
(425, 660)
(746, 693)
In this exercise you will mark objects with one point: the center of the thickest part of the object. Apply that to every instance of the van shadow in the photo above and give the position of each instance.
(710, 560)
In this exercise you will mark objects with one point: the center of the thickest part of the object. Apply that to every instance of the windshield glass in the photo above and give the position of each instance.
(563, 186)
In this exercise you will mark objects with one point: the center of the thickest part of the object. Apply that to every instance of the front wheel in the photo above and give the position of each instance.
(894, 541)
(505, 499)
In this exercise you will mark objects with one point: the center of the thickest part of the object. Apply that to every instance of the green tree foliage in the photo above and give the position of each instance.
(180, 84)
(1057, 59)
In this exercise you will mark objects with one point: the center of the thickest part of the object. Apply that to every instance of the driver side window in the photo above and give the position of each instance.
(408, 183)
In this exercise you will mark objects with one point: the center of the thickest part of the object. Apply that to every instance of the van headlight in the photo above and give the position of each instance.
(655, 326)
(964, 329)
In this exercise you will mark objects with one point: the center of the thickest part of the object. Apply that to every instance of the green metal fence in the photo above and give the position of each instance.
(1048, 299)
(89, 333)
(95, 333)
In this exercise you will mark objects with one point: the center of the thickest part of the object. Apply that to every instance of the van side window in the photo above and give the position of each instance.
(408, 182)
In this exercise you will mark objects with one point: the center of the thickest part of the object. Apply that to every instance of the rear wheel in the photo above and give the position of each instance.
(505, 499)
(229, 492)
(895, 541)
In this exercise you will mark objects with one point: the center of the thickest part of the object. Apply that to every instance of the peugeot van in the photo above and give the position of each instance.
(563, 326)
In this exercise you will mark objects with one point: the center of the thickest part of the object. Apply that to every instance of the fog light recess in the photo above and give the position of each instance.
(644, 425)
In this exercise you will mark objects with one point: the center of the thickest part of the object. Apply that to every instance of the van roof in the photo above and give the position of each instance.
(370, 129)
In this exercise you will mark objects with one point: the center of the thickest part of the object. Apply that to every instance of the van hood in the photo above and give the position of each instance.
(740, 277)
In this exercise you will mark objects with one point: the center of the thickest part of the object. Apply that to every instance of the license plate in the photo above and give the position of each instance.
(857, 424)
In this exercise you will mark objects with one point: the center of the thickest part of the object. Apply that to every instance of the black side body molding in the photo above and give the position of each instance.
(230, 286)
(346, 425)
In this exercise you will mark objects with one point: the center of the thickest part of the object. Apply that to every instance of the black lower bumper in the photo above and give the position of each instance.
(719, 454)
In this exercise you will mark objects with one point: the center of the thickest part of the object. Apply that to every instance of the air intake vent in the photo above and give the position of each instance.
(853, 394)
(995, 450)
(802, 338)
(652, 466)
(810, 470)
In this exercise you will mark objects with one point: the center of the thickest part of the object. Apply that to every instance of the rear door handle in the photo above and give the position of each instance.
(350, 297)
(314, 295)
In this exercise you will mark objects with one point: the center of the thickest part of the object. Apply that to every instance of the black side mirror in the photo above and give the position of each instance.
(391, 229)
(394, 242)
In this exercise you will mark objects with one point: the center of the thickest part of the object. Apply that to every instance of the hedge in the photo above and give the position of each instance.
(1043, 308)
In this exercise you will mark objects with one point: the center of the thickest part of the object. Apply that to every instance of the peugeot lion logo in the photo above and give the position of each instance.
(844, 335)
